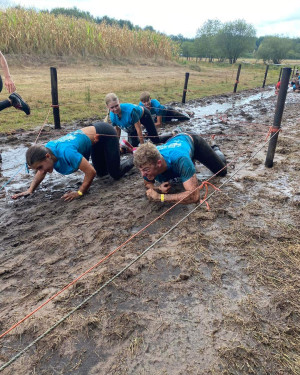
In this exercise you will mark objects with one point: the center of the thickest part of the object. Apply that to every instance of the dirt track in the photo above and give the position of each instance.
(219, 295)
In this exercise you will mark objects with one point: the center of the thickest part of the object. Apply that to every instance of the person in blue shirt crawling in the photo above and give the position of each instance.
(72, 152)
(161, 112)
(173, 160)
(129, 117)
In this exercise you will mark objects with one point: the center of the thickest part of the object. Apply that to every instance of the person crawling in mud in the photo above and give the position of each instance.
(162, 113)
(295, 84)
(130, 118)
(72, 152)
(174, 159)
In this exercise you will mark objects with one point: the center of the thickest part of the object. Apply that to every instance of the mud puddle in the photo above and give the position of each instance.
(218, 295)
(206, 118)
(232, 103)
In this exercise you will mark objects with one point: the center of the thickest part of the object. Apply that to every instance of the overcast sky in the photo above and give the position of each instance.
(180, 17)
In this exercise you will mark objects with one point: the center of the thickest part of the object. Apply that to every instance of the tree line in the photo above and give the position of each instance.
(230, 40)
(214, 40)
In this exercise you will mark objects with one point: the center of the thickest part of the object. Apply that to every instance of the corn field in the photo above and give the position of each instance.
(31, 32)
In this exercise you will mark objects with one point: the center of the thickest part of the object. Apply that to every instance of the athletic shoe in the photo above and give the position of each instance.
(19, 103)
(1, 84)
(217, 150)
(125, 144)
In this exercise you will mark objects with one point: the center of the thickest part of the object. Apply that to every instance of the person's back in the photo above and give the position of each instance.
(163, 113)
(177, 152)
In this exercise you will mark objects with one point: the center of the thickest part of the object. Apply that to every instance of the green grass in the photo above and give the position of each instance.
(83, 86)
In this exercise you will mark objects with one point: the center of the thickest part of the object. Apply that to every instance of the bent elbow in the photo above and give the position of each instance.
(92, 174)
(195, 197)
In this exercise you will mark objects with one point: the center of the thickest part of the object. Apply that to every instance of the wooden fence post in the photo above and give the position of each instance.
(278, 116)
(280, 74)
(237, 77)
(185, 86)
(54, 94)
(266, 73)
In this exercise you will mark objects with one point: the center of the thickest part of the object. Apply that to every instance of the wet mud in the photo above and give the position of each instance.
(218, 294)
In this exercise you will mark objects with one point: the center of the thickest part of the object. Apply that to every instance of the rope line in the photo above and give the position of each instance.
(204, 184)
(212, 135)
(11, 178)
(14, 358)
(103, 259)
(42, 127)
(26, 167)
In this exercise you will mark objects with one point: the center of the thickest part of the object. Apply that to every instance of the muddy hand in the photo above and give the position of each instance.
(68, 197)
(165, 187)
(152, 194)
(19, 195)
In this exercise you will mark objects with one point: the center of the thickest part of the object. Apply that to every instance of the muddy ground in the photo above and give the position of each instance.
(219, 294)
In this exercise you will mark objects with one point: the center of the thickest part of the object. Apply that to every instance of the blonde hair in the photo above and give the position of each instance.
(146, 154)
(145, 96)
(111, 97)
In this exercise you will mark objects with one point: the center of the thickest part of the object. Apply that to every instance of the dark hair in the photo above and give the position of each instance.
(36, 153)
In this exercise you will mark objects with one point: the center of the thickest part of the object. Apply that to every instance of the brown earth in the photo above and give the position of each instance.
(219, 294)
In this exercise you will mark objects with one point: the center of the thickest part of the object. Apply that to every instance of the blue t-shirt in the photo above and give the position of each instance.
(155, 107)
(130, 114)
(178, 153)
(69, 151)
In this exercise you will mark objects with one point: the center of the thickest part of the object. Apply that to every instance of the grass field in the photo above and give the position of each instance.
(83, 85)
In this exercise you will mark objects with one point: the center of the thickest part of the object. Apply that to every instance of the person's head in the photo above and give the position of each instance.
(112, 103)
(145, 98)
(148, 160)
(40, 158)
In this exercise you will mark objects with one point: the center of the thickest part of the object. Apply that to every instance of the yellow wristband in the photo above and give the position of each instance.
(162, 197)
(79, 193)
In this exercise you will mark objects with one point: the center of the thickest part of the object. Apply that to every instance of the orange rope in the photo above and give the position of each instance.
(272, 130)
(111, 253)
(205, 184)
(42, 127)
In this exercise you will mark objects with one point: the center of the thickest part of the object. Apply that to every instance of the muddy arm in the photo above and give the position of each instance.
(38, 178)
(158, 121)
(89, 174)
(190, 195)
(118, 130)
(138, 129)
